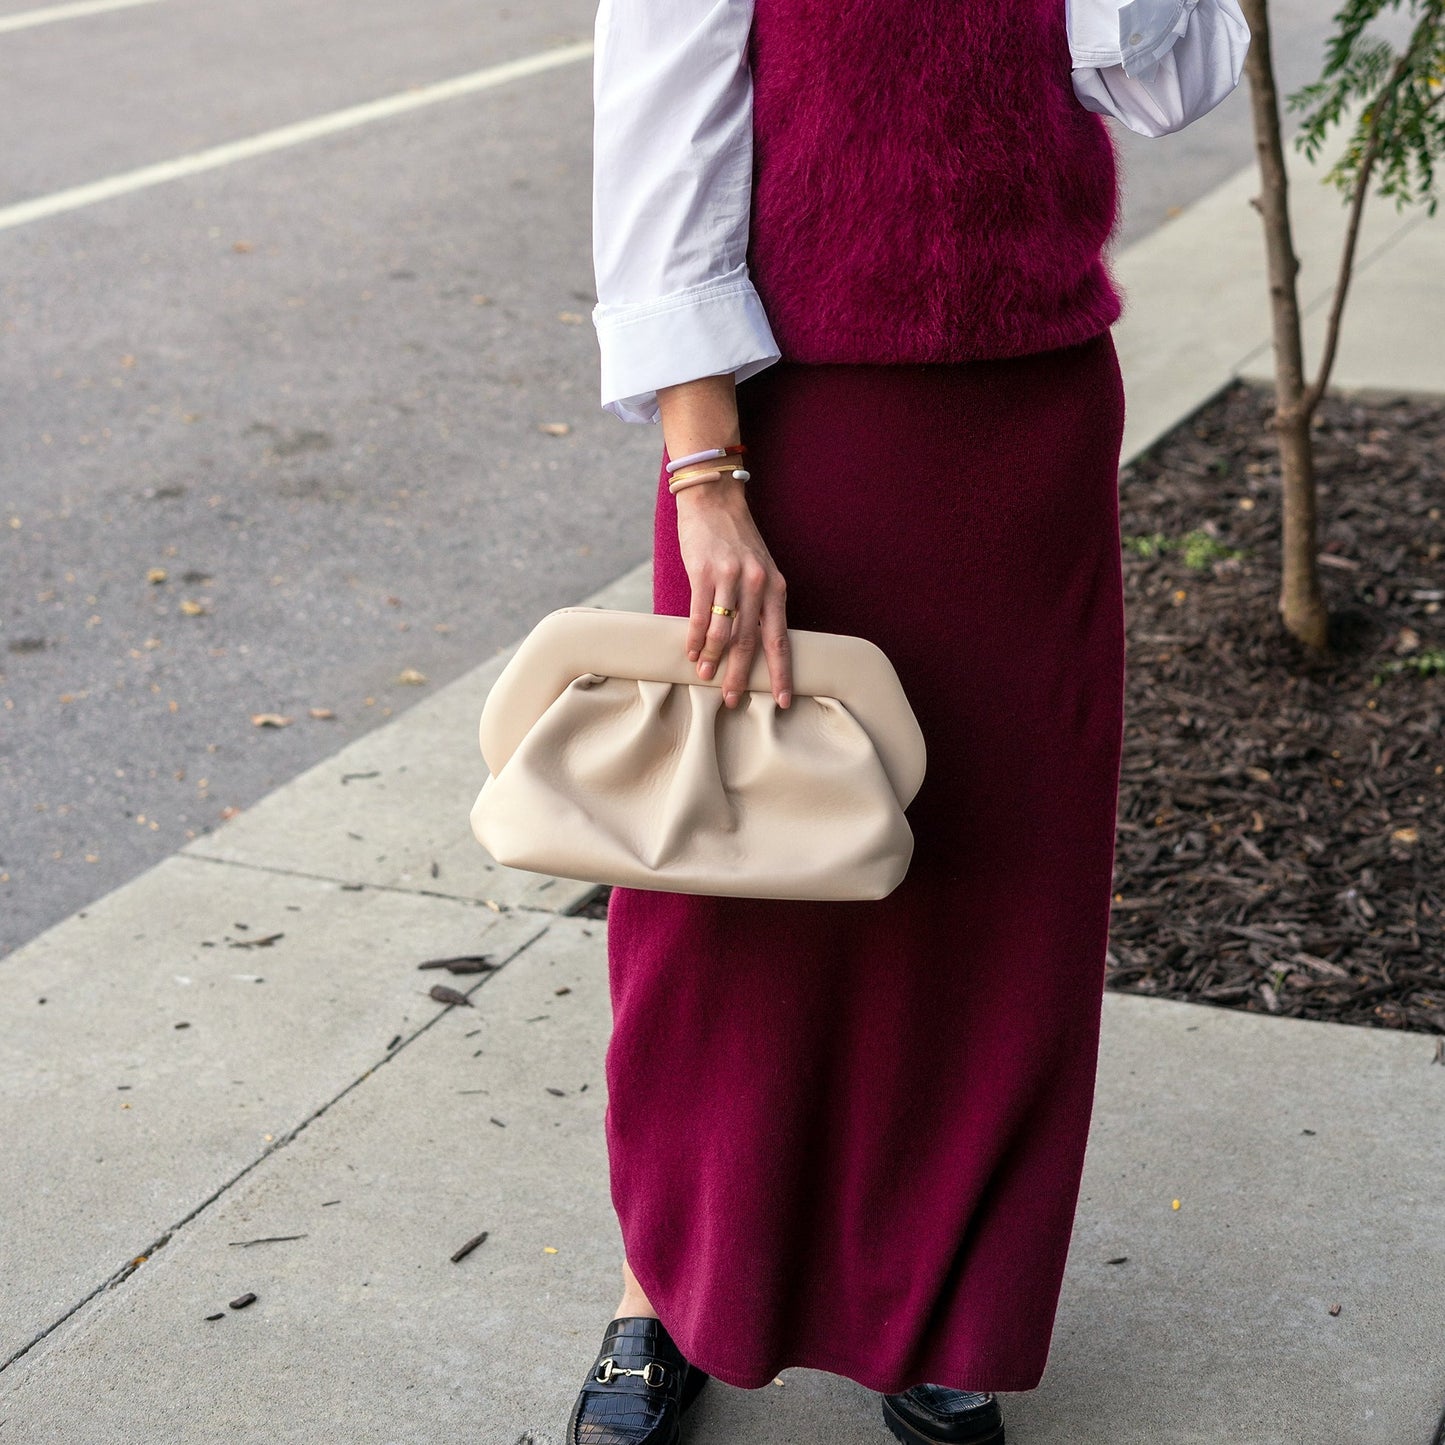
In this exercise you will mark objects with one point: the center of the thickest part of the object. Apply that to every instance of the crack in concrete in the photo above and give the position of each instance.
(354, 885)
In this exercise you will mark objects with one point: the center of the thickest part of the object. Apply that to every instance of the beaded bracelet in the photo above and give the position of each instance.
(711, 454)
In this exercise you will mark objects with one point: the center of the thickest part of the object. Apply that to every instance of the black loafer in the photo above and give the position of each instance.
(636, 1390)
(936, 1415)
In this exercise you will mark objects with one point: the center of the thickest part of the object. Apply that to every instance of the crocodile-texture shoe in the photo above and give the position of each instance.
(636, 1390)
(937, 1415)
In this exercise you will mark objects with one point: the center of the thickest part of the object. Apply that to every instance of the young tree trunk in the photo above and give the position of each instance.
(1301, 601)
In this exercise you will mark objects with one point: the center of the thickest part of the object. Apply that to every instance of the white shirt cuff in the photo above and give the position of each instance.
(712, 329)
(1172, 77)
(1135, 34)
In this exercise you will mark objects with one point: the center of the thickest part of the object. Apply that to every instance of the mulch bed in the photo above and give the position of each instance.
(1281, 844)
(1281, 832)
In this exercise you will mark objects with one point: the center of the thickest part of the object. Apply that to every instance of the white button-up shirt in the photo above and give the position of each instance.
(673, 152)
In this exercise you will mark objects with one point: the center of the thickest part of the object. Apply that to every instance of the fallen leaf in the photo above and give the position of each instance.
(270, 720)
(442, 994)
(192, 608)
(1334, 1309)
(156, 574)
(572, 318)
(321, 714)
(411, 677)
(555, 428)
(242, 246)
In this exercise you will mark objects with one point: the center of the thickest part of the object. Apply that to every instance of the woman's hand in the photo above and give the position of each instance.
(727, 561)
(729, 564)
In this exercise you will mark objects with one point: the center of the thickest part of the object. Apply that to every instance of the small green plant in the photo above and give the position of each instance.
(1201, 551)
(1150, 546)
(1430, 663)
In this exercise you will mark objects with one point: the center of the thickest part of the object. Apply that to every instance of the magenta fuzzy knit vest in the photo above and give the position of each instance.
(926, 185)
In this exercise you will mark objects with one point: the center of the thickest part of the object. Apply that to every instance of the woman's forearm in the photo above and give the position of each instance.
(697, 415)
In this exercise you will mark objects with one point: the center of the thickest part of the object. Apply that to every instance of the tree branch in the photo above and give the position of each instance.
(1384, 100)
(1352, 232)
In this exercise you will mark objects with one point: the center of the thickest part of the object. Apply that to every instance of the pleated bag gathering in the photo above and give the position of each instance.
(609, 760)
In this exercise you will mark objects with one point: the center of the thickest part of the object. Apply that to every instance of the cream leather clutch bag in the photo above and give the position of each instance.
(610, 761)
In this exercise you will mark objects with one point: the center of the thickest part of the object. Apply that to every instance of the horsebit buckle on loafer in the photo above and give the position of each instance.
(607, 1368)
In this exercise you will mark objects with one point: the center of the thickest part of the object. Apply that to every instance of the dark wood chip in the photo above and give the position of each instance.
(468, 1247)
(466, 963)
(242, 1300)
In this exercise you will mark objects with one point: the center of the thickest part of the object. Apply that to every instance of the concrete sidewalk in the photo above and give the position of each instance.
(238, 1046)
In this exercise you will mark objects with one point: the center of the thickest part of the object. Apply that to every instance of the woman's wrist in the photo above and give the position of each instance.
(725, 492)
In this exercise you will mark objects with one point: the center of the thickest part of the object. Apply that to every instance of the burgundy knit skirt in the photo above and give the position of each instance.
(849, 1135)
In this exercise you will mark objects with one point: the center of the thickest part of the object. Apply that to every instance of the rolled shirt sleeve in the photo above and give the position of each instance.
(1156, 65)
(672, 183)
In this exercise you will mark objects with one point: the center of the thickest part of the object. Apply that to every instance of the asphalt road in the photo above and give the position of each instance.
(273, 431)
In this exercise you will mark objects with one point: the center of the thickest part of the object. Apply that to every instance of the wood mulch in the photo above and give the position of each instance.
(1281, 839)
(1281, 844)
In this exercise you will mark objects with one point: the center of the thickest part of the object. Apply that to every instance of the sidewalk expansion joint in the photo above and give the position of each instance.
(125, 1271)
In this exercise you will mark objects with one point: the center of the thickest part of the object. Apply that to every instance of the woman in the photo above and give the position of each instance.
(864, 240)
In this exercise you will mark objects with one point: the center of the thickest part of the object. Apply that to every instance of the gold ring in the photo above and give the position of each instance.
(724, 611)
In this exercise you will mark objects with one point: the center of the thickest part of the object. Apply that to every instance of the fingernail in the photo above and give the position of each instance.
(705, 669)
(784, 699)
(692, 654)
(732, 699)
